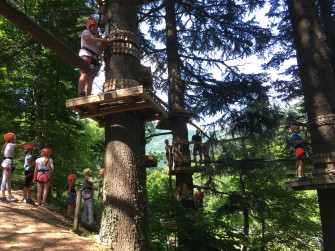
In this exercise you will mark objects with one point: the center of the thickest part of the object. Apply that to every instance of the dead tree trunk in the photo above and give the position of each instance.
(123, 223)
(319, 90)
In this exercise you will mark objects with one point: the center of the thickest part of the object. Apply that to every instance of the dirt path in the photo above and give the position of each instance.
(28, 227)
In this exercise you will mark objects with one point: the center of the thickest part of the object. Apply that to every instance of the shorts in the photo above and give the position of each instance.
(300, 152)
(71, 199)
(29, 178)
(197, 148)
(43, 177)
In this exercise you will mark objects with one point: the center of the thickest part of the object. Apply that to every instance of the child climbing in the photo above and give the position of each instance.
(42, 175)
(196, 139)
(88, 196)
(29, 165)
(168, 153)
(299, 146)
(198, 200)
(89, 52)
(7, 165)
(71, 191)
(205, 152)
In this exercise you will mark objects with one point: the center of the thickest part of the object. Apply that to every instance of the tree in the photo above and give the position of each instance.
(123, 224)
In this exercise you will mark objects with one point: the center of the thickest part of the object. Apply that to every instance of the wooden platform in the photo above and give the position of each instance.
(166, 124)
(97, 107)
(102, 3)
(318, 182)
(150, 161)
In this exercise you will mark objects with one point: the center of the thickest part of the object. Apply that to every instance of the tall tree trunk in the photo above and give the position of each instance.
(184, 182)
(328, 24)
(319, 90)
(123, 223)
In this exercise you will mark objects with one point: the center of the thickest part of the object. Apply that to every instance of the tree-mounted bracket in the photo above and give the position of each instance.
(122, 41)
(321, 120)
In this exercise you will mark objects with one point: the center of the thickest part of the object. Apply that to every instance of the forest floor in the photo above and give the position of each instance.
(28, 227)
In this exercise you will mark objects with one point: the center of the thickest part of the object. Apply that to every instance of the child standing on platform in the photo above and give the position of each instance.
(299, 146)
(29, 166)
(168, 153)
(43, 171)
(71, 191)
(205, 152)
(7, 165)
(196, 139)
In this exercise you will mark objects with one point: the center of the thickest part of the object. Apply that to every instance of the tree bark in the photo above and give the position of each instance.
(328, 24)
(123, 223)
(318, 86)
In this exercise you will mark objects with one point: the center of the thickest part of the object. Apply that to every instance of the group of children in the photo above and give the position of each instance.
(199, 148)
(39, 171)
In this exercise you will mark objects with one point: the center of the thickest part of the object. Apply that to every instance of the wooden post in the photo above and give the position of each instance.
(77, 212)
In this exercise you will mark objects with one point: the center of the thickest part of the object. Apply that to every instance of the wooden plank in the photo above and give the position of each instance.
(113, 109)
(154, 104)
(77, 212)
(145, 77)
(104, 97)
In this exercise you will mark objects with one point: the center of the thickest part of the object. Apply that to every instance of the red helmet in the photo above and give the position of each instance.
(90, 22)
(72, 176)
(8, 136)
(47, 151)
(293, 127)
(27, 147)
(101, 171)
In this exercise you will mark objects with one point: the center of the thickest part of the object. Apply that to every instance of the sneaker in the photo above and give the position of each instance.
(4, 200)
(24, 201)
(42, 205)
(11, 198)
(30, 201)
(82, 94)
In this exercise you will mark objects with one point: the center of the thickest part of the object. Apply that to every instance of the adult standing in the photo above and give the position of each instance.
(89, 51)
(88, 196)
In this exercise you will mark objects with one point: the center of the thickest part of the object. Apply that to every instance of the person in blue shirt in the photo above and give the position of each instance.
(299, 146)
(29, 166)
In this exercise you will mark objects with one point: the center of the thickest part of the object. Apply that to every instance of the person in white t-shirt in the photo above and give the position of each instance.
(7, 165)
(89, 51)
(43, 170)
